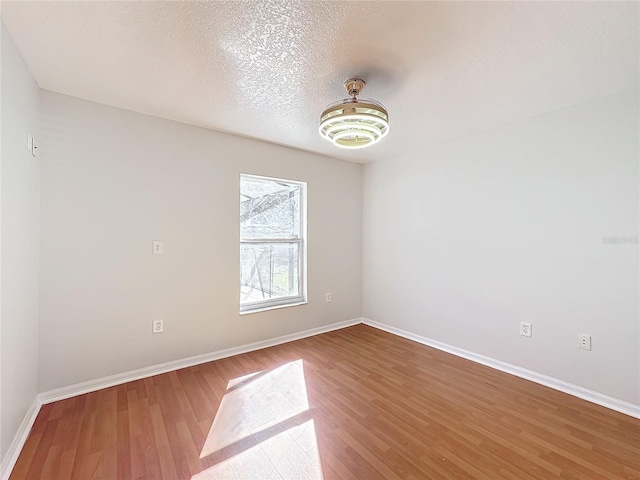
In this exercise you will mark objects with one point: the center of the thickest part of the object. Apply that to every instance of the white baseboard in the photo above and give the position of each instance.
(566, 387)
(10, 458)
(85, 387)
(117, 379)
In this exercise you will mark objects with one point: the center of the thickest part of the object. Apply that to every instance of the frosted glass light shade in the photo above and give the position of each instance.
(354, 123)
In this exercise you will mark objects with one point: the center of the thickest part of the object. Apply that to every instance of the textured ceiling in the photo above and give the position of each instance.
(266, 69)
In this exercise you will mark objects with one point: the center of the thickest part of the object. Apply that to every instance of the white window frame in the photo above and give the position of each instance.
(301, 298)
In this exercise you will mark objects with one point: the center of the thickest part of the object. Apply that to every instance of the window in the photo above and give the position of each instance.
(272, 249)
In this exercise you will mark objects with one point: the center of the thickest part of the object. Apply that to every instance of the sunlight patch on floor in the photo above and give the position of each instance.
(245, 378)
(264, 429)
(292, 454)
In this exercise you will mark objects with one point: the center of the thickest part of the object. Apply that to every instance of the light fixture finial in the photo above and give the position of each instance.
(354, 86)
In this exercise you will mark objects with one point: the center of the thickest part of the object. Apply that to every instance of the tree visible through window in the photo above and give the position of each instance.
(271, 242)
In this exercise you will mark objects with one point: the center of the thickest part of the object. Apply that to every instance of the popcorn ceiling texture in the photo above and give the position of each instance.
(266, 69)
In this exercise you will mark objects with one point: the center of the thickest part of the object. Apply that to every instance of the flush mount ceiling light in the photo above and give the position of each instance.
(353, 123)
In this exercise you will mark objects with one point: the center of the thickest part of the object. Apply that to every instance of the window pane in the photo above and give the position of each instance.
(268, 271)
(269, 209)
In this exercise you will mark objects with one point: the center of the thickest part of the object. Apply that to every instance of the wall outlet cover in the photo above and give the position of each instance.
(157, 326)
(525, 329)
(584, 341)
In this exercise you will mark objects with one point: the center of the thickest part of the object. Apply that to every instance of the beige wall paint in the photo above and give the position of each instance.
(19, 257)
(466, 239)
(461, 241)
(113, 181)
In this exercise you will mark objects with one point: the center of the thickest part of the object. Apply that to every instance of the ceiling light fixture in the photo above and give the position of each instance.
(353, 123)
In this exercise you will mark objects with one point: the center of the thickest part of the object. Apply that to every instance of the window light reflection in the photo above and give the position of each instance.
(263, 429)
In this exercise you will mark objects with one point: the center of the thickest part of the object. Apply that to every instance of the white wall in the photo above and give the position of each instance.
(20, 225)
(465, 239)
(113, 181)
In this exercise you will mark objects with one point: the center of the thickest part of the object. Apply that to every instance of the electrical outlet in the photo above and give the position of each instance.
(584, 341)
(328, 298)
(525, 329)
(157, 326)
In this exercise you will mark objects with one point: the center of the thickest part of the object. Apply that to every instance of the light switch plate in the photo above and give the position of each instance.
(158, 247)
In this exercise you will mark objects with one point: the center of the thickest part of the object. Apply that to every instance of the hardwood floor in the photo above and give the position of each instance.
(355, 403)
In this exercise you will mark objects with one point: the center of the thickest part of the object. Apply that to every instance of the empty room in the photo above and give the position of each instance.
(290, 240)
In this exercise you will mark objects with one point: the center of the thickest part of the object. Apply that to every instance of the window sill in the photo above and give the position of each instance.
(275, 307)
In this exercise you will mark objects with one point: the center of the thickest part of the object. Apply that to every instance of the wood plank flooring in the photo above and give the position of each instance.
(351, 404)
